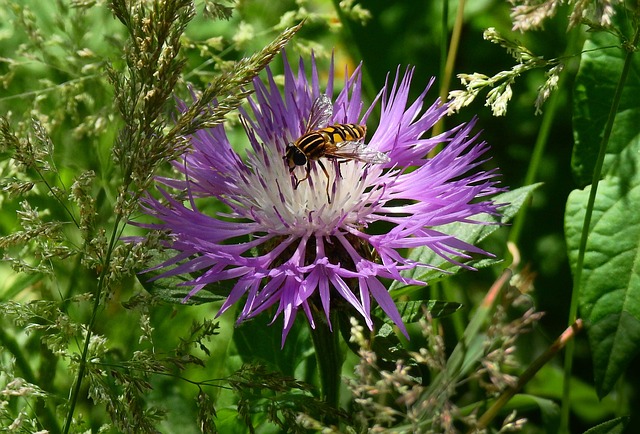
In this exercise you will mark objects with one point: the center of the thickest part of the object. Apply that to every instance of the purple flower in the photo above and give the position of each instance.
(295, 246)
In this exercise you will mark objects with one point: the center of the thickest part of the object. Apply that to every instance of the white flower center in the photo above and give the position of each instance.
(318, 205)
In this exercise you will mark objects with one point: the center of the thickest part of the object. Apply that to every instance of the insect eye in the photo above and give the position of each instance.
(299, 158)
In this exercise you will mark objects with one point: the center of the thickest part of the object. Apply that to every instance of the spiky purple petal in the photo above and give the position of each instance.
(290, 248)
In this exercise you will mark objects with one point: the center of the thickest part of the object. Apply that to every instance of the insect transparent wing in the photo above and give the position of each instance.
(350, 150)
(320, 115)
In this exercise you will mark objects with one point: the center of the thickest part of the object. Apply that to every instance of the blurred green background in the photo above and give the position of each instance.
(60, 73)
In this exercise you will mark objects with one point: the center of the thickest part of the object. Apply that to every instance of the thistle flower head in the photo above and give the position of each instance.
(309, 236)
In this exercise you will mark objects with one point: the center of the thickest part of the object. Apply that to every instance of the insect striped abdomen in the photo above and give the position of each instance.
(344, 132)
(314, 144)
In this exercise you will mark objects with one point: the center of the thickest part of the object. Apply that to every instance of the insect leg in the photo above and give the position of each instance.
(324, 169)
(337, 164)
(298, 181)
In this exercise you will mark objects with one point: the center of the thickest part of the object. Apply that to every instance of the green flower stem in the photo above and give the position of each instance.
(536, 159)
(448, 66)
(327, 346)
(577, 279)
(75, 393)
(444, 39)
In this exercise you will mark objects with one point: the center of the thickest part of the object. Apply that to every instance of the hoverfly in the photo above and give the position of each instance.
(338, 141)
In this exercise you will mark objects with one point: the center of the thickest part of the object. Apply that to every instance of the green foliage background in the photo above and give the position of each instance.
(53, 62)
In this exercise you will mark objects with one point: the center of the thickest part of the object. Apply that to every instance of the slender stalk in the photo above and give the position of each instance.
(450, 291)
(354, 48)
(75, 393)
(597, 172)
(444, 40)
(535, 161)
(452, 52)
(327, 346)
(563, 339)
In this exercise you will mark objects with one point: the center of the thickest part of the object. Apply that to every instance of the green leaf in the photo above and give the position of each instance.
(258, 340)
(386, 343)
(412, 311)
(470, 233)
(610, 291)
(600, 68)
(610, 285)
(172, 289)
(613, 426)
(17, 284)
(388, 347)
(441, 309)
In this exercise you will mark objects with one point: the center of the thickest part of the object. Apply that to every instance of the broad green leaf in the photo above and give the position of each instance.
(258, 340)
(441, 309)
(384, 340)
(17, 284)
(613, 426)
(388, 347)
(609, 288)
(470, 233)
(600, 68)
(412, 311)
(173, 290)
(610, 285)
